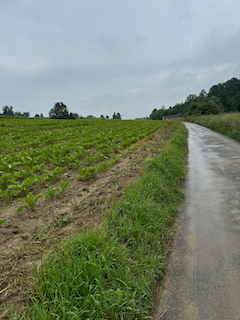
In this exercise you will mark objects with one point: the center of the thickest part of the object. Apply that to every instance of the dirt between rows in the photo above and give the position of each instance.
(28, 236)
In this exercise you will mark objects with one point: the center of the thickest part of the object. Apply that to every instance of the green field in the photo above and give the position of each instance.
(36, 152)
(106, 270)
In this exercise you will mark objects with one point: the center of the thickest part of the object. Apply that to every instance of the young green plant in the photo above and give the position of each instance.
(31, 202)
(51, 192)
(64, 185)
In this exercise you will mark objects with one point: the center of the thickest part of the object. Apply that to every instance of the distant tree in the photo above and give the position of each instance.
(232, 87)
(192, 108)
(18, 114)
(36, 115)
(102, 116)
(59, 111)
(235, 102)
(73, 115)
(208, 106)
(8, 111)
(117, 116)
(76, 115)
(41, 115)
(157, 114)
(107, 117)
(202, 96)
(26, 114)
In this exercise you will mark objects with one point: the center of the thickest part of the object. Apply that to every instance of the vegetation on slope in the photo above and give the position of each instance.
(227, 124)
(224, 97)
(110, 273)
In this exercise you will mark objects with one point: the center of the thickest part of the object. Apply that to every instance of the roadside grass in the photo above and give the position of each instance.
(225, 123)
(111, 272)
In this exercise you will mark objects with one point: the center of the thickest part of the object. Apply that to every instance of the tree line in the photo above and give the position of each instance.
(59, 111)
(223, 97)
(8, 111)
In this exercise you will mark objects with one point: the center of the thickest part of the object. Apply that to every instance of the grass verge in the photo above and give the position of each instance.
(225, 123)
(110, 273)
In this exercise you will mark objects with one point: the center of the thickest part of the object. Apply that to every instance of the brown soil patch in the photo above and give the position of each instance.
(27, 236)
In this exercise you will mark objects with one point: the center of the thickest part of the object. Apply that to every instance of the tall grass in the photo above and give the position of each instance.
(110, 273)
(225, 123)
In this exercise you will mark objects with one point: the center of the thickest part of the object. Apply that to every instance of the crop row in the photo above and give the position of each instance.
(36, 139)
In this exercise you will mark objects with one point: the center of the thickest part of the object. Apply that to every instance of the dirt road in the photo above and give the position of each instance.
(204, 277)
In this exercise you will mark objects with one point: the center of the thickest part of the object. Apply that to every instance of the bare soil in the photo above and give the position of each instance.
(30, 235)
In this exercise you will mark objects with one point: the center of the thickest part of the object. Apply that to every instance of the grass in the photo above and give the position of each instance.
(225, 123)
(110, 273)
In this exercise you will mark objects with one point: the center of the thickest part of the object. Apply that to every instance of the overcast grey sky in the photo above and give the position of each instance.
(127, 56)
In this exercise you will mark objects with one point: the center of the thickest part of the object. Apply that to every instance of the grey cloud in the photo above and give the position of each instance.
(128, 56)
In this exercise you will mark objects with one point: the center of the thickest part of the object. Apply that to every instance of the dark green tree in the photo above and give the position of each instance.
(118, 116)
(36, 115)
(8, 111)
(59, 111)
(235, 102)
(18, 114)
(26, 114)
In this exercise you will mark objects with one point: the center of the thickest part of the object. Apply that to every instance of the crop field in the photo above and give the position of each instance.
(56, 176)
(39, 153)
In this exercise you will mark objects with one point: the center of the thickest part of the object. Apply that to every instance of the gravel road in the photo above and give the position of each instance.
(204, 277)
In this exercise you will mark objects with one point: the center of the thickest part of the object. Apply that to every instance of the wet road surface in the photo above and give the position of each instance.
(204, 277)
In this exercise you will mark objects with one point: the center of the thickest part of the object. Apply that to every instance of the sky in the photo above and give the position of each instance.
(104, 56)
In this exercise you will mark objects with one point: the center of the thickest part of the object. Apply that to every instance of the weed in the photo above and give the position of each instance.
(75, 205)
(43, 235)
(226, 123)
(2, 220)
(61, 221)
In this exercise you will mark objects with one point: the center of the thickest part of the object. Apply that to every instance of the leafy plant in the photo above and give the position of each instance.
(8, 167)
(56, 174)
(23, 188)
(24, 174)
(42, 179)
(31, 202)
(77, 164)
(5, 179)
(65, 185)
(87, 173)
(89, 160)
(51, 192)
(6, 195)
